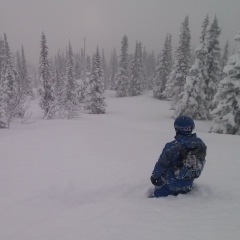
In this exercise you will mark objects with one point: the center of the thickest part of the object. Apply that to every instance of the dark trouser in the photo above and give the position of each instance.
(167, 190)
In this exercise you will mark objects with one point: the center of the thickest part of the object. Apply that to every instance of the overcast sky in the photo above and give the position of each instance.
(104, 23)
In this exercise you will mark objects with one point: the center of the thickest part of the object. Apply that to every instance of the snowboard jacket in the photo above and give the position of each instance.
(170, 157)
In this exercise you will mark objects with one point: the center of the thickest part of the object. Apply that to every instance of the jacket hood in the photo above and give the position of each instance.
(189, 141)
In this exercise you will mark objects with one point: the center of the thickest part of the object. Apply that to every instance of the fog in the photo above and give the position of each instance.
(104, 23)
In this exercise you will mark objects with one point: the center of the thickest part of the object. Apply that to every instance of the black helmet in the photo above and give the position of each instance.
(184, 125)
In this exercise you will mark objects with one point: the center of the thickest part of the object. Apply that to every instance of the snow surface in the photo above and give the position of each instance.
(88, 178)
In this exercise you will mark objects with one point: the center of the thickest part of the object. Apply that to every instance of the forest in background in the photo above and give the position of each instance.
(202, 83)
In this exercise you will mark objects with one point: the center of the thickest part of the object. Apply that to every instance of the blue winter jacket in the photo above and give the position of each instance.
(170, 157)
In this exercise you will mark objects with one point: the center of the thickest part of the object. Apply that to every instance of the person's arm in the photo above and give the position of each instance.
(162, 165)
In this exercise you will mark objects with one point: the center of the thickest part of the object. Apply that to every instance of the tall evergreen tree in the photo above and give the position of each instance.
(104, 67)
(2, 95)
(224, 59)
(47, 92)
(72, 104)
(122, 77)
(113, 69)
(227, 113)
(193, 101)
(60, 92)
(213, 61)
(77, 66)
(95, 99)
(163, 69)
(145, 62)
(177, 77)
(26, 79)
(11, 100)
(24, 82)
(2, 53)
(19, 69)
(150, 68)
(70, 77)
(88, 64)
(136, 72)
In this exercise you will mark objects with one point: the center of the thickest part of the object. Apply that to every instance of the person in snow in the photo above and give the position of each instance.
(181, 161)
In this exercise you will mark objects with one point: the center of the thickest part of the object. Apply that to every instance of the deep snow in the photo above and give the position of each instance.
(88, 178)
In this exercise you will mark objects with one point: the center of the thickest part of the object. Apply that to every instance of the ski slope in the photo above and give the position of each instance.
(88, 178)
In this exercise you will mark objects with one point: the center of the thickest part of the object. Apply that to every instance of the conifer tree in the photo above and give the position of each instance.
(95, 103)
(47, 91)
(70, 77)
(224, 59)
(163, 69)
(19, 69)
(26, 79)
(122, 77)
(150, 68)
(227, 113)
(213, 61)
(177, 77)
(136, 72)
(2, 53)
(12, 99)
(141, 67)
(104, 67)
(88, 64)
(2, 95)
(60, 92)
(77, 66)
(145, 62)
(113, 69)
(72, 105)
(24, 82)
(193, 99)
(169, 53)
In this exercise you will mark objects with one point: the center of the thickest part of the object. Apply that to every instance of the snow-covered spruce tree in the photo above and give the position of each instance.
(60, 92)
(77, 65)
(88, 64)
(72, 105)
(47, 90)
(224, 59)
(136, 72)
(122, 77)
(227, 113)
(3, 123)
(193, 99)
(18, 66)
(25, 75)
(163, 69)
(24, 81)
(2, 53)
(141, 66)
(150, 68)
(113, 69)
(169, 53)
(213, 61)
(177, 77)
(12, 98)
(105, 70)
(95, 99)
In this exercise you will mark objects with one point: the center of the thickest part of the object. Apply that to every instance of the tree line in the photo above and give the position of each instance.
(198, 84)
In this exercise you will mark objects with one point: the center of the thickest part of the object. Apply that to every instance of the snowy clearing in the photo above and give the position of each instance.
(88, 178)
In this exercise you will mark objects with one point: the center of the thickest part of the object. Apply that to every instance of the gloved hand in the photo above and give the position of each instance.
(153, 180)
(157, 182)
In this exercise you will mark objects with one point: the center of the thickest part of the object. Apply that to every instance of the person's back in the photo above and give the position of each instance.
(181, 161)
